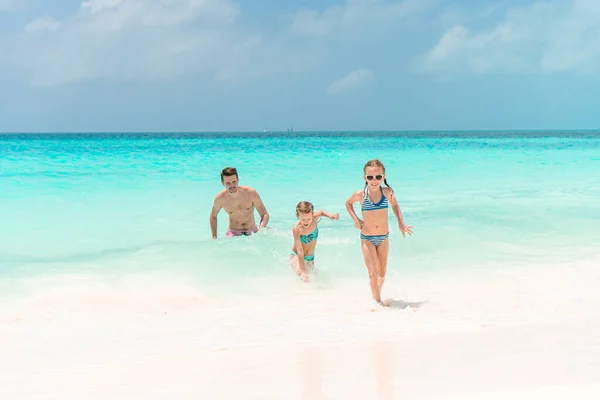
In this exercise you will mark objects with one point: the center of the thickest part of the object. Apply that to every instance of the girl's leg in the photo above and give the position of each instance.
(382, 256)
(372, 263)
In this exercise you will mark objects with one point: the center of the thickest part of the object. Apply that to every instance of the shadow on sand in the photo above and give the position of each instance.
(401, 304)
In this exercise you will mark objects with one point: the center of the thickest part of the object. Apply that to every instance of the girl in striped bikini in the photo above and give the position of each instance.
(374, 227)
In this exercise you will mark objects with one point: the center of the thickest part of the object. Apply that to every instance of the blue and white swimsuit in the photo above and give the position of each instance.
(368, 205)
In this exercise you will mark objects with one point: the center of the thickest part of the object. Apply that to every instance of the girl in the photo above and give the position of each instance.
(374, 227)
(306, 232)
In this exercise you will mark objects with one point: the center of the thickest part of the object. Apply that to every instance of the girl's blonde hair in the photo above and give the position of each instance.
(304, 207)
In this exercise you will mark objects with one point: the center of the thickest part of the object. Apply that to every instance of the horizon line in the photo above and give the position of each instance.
(301, 131)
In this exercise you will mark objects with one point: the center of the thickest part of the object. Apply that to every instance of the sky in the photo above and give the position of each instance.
(249, 65)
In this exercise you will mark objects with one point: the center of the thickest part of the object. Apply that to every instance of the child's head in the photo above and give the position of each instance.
(304, 212)
(374, 173)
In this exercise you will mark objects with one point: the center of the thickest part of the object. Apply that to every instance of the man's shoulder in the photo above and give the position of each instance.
(220, 195)
(247, 189)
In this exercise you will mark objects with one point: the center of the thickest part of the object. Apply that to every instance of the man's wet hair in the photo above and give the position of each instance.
(229, 171)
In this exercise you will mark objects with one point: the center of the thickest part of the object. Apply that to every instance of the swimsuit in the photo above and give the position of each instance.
(368, 205)
(375, 239)
(307, 239)
(244, 232)
(311, 236)
(310, 258)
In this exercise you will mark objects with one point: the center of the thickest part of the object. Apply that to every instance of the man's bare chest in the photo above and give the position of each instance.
(238, 205)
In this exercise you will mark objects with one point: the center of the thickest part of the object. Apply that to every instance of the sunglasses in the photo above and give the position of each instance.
(377, 177)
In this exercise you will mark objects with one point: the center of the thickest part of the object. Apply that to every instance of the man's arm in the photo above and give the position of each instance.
(261, 209)
(216, 207)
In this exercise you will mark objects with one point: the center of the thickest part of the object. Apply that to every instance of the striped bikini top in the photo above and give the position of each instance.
(368, 205)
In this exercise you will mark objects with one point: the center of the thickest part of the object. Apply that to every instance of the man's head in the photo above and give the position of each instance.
(229, 179)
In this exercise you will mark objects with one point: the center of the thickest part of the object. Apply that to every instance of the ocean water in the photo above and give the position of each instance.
(113, 205)
(106, 256)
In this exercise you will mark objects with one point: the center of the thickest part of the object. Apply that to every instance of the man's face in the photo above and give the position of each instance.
(230, 183)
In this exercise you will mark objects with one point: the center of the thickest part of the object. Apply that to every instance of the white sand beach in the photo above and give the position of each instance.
(531, 332)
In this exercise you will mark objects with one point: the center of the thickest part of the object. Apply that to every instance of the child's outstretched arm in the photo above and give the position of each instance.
(404, 229)
(355, 197)
(323, 213)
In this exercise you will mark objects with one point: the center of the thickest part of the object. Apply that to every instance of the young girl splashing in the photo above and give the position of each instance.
(374, 227)
(306, 232)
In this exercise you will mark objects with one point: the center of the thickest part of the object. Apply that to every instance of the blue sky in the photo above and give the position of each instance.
(197, 65)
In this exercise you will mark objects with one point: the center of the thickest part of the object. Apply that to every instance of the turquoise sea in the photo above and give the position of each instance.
(109, 274)
(112, 204)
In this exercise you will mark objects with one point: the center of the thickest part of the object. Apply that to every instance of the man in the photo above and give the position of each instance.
(239, 202)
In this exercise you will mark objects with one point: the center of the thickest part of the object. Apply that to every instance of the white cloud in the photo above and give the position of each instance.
(355, 15)
(128, 40)
(142, 40)
(455, 13)
(42, 24)
(351, 81)
(99, 5)
(146, 40)
(546, 36)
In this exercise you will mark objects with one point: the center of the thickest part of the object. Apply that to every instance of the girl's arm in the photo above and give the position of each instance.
(299, 249)
(323, 213)
(396, 208)
(394, 204)
(355, 197)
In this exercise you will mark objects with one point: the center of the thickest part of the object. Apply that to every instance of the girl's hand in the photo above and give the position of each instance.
(304, 277)
(358, 224)
(335, 216)
(404, 228)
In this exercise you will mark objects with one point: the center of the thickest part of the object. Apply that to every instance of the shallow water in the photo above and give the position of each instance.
(113, 204)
